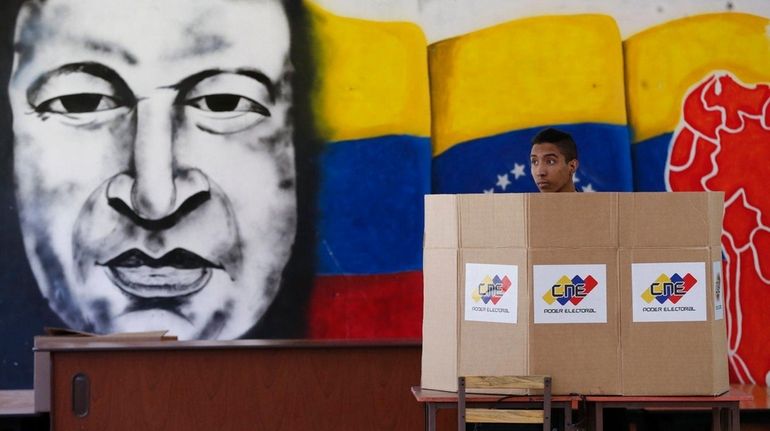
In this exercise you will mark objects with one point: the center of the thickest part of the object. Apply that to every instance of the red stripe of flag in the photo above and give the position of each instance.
(380, 306)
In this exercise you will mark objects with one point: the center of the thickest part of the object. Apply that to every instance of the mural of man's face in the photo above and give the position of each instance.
(154, 161)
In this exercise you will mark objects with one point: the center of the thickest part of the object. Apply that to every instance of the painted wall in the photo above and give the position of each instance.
(247, 170)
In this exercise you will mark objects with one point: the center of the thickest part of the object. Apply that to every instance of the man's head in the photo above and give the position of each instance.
(553, 161)
(154, 161)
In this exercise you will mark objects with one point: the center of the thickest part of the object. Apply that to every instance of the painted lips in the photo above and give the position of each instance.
(178, 273)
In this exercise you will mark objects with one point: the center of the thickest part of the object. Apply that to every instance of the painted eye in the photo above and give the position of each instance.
(78, 104)
(227, 103)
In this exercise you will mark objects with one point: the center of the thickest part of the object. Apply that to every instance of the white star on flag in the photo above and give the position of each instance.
(575, 179)
(487, 191)
(589, 188)
(517, 171)
(503, 181)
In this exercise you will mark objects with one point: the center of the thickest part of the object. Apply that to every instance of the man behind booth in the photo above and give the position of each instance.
(553, 160)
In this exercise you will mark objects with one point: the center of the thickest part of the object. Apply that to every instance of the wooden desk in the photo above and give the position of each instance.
(727, 403)
(435, 400)
(235, 385)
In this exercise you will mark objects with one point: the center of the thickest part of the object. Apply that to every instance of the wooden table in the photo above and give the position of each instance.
(727, 404)
(279, 385)
(435, 400)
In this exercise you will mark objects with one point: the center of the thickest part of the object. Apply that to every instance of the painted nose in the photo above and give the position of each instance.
(157, 187)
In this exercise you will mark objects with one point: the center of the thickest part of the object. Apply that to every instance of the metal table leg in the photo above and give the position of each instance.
(735, 417)
(599, 416)
(430, 417)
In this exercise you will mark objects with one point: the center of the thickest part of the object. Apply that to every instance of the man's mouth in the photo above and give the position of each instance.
(177, 273)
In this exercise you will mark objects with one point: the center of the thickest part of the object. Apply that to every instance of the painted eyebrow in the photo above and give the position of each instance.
(111, 48)
(95, 69)
(20, 47)
(185, 85)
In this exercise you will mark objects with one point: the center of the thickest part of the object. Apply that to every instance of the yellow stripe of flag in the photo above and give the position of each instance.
(371, 78)
(663, 62)
(526, 73)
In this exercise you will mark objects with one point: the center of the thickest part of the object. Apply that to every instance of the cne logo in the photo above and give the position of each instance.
(491, 289)
(671, 289)
(572, 290)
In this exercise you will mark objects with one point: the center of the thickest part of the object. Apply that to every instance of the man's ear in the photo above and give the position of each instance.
(573, 165)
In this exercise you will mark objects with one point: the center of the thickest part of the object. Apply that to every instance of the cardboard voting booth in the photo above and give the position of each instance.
(608, 293)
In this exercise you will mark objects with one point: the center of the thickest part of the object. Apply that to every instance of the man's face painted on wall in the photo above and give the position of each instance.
(153, 161)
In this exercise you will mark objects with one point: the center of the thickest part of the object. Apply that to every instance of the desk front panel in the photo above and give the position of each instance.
(339, 388)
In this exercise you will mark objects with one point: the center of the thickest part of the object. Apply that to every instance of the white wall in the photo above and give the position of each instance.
(441, 19)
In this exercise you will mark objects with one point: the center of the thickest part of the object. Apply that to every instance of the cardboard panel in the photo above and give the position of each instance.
(441, 226)
(580, 357)
(673, 357)
(720, 377)
(493, 220)
(488, 348)
(682, 219)
(573, 220)
(439, 328)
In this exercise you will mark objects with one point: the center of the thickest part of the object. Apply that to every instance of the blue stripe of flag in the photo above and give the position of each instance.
(650, 163)
(371, 205)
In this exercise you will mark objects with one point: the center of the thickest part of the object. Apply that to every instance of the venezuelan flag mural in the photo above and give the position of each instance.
(699, 104)
(493, 89)
(371, 105)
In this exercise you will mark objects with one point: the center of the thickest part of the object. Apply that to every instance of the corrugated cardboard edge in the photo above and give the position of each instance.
(440, 340)
(720, 367)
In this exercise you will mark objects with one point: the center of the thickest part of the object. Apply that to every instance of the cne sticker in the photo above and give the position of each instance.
(491, 292)
(570, 293)
(668, 292)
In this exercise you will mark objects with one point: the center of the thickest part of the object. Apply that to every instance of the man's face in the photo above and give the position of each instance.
(550, 169)
(153, 161)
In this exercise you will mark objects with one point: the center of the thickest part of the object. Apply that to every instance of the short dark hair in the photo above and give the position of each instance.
(562, 140)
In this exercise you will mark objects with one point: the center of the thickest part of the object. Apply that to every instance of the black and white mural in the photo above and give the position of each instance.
(150, 171)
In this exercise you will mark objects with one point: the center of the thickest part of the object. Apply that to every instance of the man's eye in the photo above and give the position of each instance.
(227, 103)
(78, 104)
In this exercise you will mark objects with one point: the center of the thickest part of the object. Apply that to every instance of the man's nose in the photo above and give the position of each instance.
(539, 170)
(156, 187)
